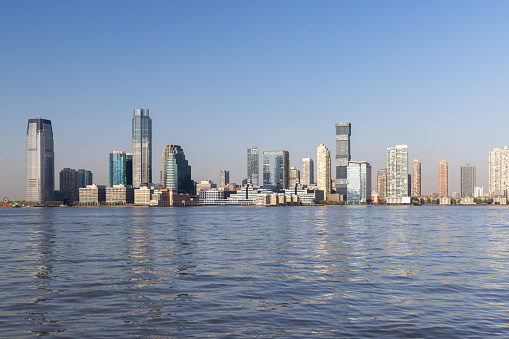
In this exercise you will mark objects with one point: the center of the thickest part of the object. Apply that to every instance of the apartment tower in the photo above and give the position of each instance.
(381, 181)
(253, 166)
(498, 178)
(416, 178)
(343, 156)
(443, 178)
(397, 174)
(276, 170)
(142, 147)
(308, 173)
(323, 169)
(467, 181)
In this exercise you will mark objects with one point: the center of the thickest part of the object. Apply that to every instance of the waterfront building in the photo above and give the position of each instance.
(253, 166)
(467, 201)
(308, 172)
(478, 192)
(204, 185)
(343, 156)
(224, 177)
(444, 200)
(245, 196)
(467, 180)
(323, 169)
(215, 196)
(375, 198)
(120, 194)
(92, 194)
(443, 178)
(416, 178)
(117, 168)
(142, 147)
(39, 161)
(143, 195)
(359, 182)
(276, 170)
(498, 178)
(176, 170)
(397, 175)
(294, 176)
(129, 169)
(68, 187)
(381, 181)
(306, 196)
(83, 178)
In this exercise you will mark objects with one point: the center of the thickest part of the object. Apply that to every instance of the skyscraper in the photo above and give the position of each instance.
(83, 178)
(467, 181)
(343, 156)
(253, 166)
(294, 177)
(117, 168)
(323, 169)
(276, 170)
(359, 182)
(443, 178)
(308, 172)
(39, 161)
(397, 174)
(176, 170)
(416, 178)
(129, 169)
(68, 189)
(224, 177)
(498, 178)
(381, 180)
(142, 147)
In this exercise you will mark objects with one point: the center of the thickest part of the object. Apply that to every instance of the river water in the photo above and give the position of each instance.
(231, 272)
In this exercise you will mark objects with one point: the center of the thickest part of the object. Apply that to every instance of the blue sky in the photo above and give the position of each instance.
(222, 76)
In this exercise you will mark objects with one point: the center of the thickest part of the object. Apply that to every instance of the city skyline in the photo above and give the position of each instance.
(409, 66)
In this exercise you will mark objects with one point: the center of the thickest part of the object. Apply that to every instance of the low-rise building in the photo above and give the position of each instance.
(467, 201)
(143, 196)
(445, 201)
(92, 194)
(215, 197)
(120, 194)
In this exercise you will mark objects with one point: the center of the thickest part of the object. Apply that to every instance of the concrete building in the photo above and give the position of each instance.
(443, 178)
(142, 147)
(381, 183)
(205, 185)
(467, 180)
(215, 196)
(416, 178)
(306, 196)
(308, 172)
(120, 194)
(323, 169)
(117, 168)
(253, 166)
(276, 170)
(343, 156)
(143, 196)
(478, 192)
(397, 175)
(92, 194)
(39, 161)
(498, 178)
(359, 182)
(224, 177)
(294, 177)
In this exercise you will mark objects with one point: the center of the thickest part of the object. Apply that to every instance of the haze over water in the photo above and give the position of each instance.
(406, 271)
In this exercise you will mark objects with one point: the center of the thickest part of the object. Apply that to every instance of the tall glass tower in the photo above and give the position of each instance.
(253, 166)
(176, 170)
(117, 168)
(343, 156)
(276, 170)
(142, 147)
(39, 161)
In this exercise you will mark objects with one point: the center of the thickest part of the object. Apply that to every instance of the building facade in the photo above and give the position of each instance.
(416, 178)
(276, 170)
(142, 147)
(39, 161)
(359, 182)
(176, 170)
(343, 156)
(397, 175)
(253, 166)
(68, 187)
(467, 180)
(381, 183)
(117, 168)
(120, 194)
(92, 194)
(224, 177)
(498, 174)
(294, 177)
(308, 172)
(443, 178)
(323, 169)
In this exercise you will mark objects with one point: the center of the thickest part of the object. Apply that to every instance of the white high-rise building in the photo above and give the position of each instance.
(498, 171)
(397, 175)
(478, 192)
(323, 169)
(39, 161)
(308, 172)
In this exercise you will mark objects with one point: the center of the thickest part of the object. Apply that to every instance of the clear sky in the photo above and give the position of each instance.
(221, 76)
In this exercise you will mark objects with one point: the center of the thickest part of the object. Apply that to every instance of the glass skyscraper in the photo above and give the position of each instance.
(117, 167)
(343, 156)
(359, 182)
(253, 166)
(83, 178)
(129, 169)
(142, 147)
(39, 161)
(176, 170)
(276, 170)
